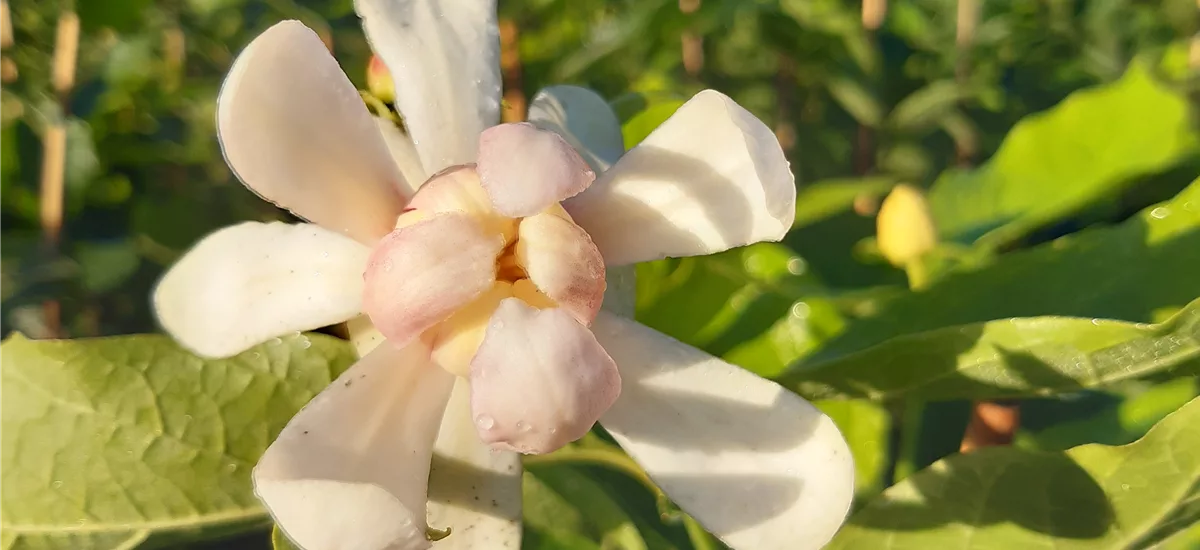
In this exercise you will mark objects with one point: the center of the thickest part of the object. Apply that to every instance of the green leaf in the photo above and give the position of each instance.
(1055, 163)
(640, 126)
(866, 427)
(1134, 271)
(112, 441)
(753, 306)
(105, 265)
(856, 99)
(1010, 357)
(565, 501)
(924, 108)
(279, 541)
(1123, 422)
(824, 199)
(1093, 497)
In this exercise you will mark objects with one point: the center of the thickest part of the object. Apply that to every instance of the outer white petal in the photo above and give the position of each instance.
(712, 177)
(584, 119)
(755, 464)
(473, 490)
(251, 282)
(404, 153)
(295, 131)
(350, 471)
(444, 58)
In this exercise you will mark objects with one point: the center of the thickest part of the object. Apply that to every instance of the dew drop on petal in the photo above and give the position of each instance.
(523, 426)
(485, 422)
(498, 325)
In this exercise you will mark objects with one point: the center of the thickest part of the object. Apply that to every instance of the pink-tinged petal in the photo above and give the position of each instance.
(444, 58)
(584, 119)
(350, 471)
(525, 169)
(296, 131)
(248, 283)
(420, 274)
(474, 491)
(751, 461)
(457, 189)
(563, 263)
(711, 178)
(540, 380)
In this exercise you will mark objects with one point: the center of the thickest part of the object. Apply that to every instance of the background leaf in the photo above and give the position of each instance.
(112, 441)
(1092, 497)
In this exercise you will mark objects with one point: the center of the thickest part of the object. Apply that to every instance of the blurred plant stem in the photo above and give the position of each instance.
(964, 37)
(54, 149)
(515, 103)
(690, 43)
(8, 68)
(873, 12)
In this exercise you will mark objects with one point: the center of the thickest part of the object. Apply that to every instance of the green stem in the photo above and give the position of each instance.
(700, 538)
(908, 413)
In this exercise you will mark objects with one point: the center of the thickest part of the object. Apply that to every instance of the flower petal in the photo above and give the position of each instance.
(711, 178)
(584, 119)
(295, 131)
(444, 58)
(251, 282)
(539, 380)
(563, 263)
(525, 169)
(473, 490)
(350, 470)
(404, 153)
(422, 273)
(755, 464)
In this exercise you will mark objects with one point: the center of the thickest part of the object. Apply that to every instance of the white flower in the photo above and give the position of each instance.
(483, 275)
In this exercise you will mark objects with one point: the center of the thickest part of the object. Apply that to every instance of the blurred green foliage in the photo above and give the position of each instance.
(1058, 149)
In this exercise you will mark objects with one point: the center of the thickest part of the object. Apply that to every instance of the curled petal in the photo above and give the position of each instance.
(563, 264)
(350, 471)
(754, 463)
(474, 491)
(422, 273)
(444, 58)
(251, 282)
(540, 380)
(584, 119)
(296, 132)
(712, 177)
(525, 169)
(457, 189)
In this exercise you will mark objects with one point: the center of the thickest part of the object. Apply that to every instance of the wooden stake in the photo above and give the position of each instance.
(515, 102)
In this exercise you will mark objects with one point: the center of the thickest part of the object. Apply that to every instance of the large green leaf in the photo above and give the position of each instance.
(1093, 497)
(823, 199)
(1134, 271)
(1055, 163)
(113, 441)
(866, 427)
(1011, 357)
(753, 306)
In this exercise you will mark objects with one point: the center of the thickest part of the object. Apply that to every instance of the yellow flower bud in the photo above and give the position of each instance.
(904, 227)
(379, 81)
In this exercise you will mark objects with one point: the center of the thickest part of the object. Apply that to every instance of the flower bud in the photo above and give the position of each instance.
(904, 227)
(379, 80)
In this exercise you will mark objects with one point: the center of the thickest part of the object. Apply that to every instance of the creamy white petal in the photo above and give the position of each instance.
(404, 153)
(350, 471)
(754, 463)
(296, 132)
(444, 58)
(584, 119)
(251, 282)
(711, 178)
(473, 490)
(562, 263)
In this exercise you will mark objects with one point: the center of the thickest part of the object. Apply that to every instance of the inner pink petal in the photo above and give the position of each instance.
(525, 169)
(422, 273)
(540, 379)
(563, 263)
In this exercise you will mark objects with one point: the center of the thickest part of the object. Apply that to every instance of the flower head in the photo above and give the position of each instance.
(493, 286)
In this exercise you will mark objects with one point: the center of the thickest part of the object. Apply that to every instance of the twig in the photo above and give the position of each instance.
(691, 44)
(510, 72)
(873, 12)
